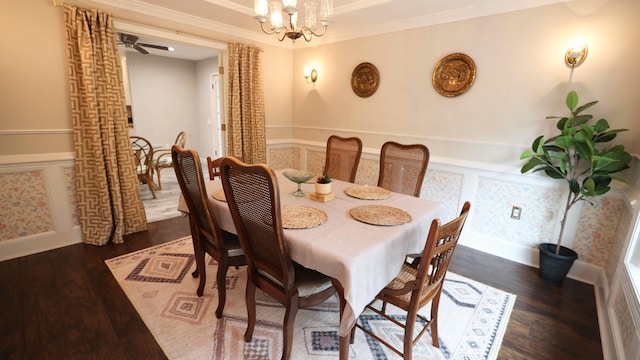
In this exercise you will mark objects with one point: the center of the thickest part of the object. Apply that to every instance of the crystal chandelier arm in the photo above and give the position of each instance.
(309, 32)
(276, 30)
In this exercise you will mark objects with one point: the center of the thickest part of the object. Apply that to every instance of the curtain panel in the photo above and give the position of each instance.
(246, 122)
(107, 189)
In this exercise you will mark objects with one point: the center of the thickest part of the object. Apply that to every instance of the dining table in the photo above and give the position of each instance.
(362, 256)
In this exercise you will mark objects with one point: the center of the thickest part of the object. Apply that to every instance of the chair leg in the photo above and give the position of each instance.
(200, 268)
(221, 282)
(152, 187)
(159, 183)
(287, 327)
(250, 299)
(434, 321)
(408, 334)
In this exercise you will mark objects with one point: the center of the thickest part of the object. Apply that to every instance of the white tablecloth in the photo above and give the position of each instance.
(362, 257)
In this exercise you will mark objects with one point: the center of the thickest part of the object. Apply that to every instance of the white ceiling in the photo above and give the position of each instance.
(352, 18)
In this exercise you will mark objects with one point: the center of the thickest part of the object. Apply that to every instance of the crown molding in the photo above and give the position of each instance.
(186, 19)
(480, 10)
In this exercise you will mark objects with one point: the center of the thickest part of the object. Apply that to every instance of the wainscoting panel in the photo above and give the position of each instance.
(37, 204)
(494, 191)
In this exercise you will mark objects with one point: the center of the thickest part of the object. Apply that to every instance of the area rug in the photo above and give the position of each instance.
(472, 316)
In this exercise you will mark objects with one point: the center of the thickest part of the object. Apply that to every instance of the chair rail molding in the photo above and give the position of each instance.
(36, 158)
(35, 131)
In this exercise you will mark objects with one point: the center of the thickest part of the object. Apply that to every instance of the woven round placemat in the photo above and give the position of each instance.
(368, 192)
(302, 217)
(380, 215)
(219, 195)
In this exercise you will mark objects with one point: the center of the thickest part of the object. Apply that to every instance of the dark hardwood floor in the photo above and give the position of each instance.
(65, 304)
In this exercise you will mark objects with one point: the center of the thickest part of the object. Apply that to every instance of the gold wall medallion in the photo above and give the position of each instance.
(365, 79)
(454, 75)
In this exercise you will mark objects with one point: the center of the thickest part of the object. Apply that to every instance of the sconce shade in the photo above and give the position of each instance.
(576, 55)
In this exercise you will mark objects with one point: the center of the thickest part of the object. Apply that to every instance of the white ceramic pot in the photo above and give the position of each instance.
(323, 189)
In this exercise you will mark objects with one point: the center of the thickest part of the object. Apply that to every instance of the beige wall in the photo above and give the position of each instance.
(33, 90)
(521, 78)
(35, 114)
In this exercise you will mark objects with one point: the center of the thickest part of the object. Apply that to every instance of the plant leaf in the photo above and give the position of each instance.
(572, 100)
(584, 107)
(537, 144)
(532, 163)
(589, 186)
(601, 125)
(562, 123)
(565, 141)
(581, 119)
(574, 186)
(526, 154)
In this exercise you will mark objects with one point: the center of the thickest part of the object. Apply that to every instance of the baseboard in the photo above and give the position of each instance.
(28, 245)
(527, 255)
(604, 324)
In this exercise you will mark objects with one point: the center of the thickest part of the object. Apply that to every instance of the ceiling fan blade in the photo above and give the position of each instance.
(154, 46)
(140, 49)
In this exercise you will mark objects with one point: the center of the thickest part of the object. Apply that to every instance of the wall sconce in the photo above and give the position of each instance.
(311, 76)
(575, 55)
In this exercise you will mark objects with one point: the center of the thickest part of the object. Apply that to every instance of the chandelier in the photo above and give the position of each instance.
(293, 32)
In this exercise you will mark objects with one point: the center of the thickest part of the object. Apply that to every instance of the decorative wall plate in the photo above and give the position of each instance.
(365, 79)
(454, 74)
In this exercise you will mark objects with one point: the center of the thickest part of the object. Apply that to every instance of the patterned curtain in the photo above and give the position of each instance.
(107, 190)
(246, 124)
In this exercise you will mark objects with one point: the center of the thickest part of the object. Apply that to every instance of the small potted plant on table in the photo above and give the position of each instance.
(576, 155)
(323, 184)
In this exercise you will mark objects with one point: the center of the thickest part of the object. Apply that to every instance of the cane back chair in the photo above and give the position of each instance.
(342, 157)
(143, 155)
(207, 236)
(418, 285)
(254, 201)
(403, 167)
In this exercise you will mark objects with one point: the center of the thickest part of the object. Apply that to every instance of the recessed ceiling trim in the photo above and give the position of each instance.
(357, 5)
(186, 19)
(493, 8)
(486, 8)
(232, 6)
(168, 35)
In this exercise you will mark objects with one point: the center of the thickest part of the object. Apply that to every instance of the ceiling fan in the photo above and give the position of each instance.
(131, 41)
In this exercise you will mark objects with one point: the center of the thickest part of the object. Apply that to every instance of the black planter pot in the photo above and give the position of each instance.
(554, 268)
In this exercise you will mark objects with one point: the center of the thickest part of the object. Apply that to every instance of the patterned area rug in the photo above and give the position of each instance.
(158, 281)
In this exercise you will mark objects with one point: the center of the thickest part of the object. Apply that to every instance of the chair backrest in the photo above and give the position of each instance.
(181, 139)
(403, 167)
(143, 154)
(214, 166)
(437, 254)
(342, 157)
(254, 200)
(189, 174)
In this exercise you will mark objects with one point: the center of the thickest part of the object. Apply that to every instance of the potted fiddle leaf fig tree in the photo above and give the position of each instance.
(579, 156)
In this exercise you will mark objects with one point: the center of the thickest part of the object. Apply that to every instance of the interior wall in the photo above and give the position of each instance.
(521, 78)
(35, 111)
(163, 98)
(205, 121)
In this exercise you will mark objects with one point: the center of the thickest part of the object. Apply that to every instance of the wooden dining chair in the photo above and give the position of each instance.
(420, 284)
(163, 159)
(207, 236)
(143, 155)
(254, 200)
(214, 166)
(342, 157)
(403, 167)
